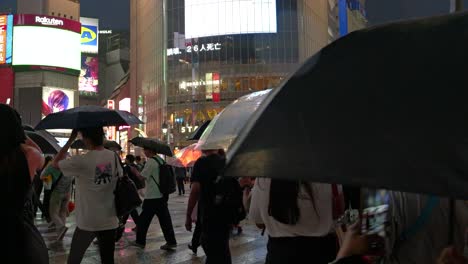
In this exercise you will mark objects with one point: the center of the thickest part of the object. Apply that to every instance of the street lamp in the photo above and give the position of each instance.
(165, 130)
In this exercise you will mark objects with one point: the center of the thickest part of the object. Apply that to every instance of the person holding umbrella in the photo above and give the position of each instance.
(155, 202)
(96, 175)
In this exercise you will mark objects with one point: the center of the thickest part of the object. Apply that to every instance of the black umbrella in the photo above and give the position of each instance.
(78, 144)
(384, 107)
(199, 132)
(110, 144)
(88, 116)
(153, 144)
(44, 140)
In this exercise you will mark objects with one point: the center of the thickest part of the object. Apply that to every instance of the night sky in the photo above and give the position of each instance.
(114, 14)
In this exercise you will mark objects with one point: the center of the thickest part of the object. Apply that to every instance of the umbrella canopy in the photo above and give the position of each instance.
(383, 107)
(88, 116)
(44, 140)
(198, 133)
(110, 144)
(153, 144)
(225, 127)
(186, 156)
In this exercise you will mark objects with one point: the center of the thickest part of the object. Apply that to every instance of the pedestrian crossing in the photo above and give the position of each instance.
(246, 248)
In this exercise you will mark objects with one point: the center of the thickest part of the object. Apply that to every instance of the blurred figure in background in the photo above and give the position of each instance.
(139, 163)
(181, 174)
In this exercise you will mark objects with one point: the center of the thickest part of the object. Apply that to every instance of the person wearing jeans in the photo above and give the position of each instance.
(155, 203)
(96, 174)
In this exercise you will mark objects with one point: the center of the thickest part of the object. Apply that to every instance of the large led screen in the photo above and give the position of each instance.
(205, 18)
(46, 46)
(89, 74)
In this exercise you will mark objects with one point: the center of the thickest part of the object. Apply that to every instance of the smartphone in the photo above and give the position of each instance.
(375, 204)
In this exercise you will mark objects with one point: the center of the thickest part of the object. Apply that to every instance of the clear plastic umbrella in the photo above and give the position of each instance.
(225, 127)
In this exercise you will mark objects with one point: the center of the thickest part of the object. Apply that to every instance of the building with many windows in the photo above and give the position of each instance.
(191, 58)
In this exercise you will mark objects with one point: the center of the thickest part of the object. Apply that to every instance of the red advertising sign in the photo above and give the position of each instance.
(47, 21)
(7, 83)
(216, 88)
(111, 104)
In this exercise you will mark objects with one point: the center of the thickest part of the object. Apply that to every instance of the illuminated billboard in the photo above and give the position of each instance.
(205, 18)
(6, 37)
(89, 76)
(56, 100)
(46, 43)
(89, 35)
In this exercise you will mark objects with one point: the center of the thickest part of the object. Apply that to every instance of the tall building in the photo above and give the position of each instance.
(69, 9)
(190, 59)
(46, 57)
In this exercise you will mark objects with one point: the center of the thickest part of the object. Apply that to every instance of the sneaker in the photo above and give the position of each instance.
(136, 244)
(168, 246)
(62, 233)
(194, 249)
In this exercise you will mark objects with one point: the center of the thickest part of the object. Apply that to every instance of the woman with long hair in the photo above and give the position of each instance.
(298, 217)
(20, 158)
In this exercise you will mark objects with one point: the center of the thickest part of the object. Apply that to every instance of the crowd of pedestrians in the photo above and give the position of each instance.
(299, 218)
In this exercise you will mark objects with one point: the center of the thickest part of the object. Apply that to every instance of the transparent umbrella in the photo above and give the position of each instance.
(225, 127)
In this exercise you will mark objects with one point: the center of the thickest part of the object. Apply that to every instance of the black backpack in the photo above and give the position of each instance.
(167, 180)
(136, 178)
(125, 194)
(228, 203)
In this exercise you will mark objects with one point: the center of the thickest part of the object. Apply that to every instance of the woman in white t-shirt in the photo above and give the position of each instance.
(95, 175)
(298, 218)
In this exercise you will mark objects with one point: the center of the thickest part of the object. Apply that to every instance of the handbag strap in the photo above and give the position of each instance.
(56, 182)
(159, 187)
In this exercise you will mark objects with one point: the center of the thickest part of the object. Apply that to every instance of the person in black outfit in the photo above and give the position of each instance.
(181, 173)
(19, 160)
(214, 231)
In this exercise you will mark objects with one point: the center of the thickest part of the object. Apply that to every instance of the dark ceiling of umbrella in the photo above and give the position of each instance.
(382, 107)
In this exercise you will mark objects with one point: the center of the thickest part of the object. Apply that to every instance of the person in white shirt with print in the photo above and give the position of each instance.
(95, 175)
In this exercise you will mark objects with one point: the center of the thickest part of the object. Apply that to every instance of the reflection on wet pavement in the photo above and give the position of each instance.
(249, 247)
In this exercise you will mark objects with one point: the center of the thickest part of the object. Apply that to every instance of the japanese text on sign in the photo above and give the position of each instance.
(195, 48)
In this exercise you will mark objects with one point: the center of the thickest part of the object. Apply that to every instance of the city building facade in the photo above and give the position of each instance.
(190, 59)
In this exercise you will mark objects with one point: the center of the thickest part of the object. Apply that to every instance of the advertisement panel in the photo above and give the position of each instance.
(52, 48)
(229, 17)
(56, 100)
(89, 76)
(48, 21)
(216, 88)
(46, 43)
(6, 35)
(89, 35)
(7, 84)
